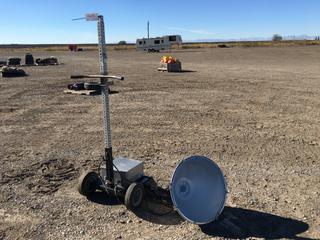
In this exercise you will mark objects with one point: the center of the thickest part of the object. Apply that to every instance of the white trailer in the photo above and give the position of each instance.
(158, 43)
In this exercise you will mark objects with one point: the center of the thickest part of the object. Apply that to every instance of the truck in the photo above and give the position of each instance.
(158, 43)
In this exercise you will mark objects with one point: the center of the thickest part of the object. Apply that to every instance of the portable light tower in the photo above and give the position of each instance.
(197, 189)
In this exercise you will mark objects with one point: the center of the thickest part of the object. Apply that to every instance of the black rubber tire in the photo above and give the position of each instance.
(92, 86)
(134, 196)
(88, 183)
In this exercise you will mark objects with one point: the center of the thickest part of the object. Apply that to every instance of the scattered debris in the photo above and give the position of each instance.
(14, 61)
(47, 61)
(3, 62)
(223, 46)
(313, 143)
(76, 86)
(89, 88)
(12, 72)
(83, 92)
(29, 61)
(73, 47)
(92, 88)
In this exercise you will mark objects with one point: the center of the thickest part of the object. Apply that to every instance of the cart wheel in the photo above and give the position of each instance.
(88, 183)
(134, 196)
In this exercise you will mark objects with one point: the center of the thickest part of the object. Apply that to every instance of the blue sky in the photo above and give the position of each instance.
(49, 21)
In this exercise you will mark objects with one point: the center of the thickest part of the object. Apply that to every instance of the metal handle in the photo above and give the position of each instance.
(77, 76)
(116, 77)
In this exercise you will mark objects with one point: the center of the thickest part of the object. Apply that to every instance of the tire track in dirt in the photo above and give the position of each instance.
(45, 177)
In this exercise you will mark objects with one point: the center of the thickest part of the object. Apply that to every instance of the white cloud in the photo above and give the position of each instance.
(195, 31)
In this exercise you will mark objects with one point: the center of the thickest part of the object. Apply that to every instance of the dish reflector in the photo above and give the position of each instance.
(198, 189)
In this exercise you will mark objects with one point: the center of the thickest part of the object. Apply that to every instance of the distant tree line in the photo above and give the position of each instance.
(277, 38)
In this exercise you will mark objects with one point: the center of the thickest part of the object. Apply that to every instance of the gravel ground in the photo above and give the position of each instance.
(254, 111)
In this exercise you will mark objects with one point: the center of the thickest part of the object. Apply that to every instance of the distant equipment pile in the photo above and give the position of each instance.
(11, 66)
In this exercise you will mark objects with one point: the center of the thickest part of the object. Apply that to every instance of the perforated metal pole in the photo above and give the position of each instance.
(105, 97)
(104, 71)
(102, 47)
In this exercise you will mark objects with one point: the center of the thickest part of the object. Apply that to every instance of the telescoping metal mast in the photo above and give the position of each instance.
(197, 181)
(104, 86)
(105, 96)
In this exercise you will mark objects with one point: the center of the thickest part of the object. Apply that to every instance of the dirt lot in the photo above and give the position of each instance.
(255, 111)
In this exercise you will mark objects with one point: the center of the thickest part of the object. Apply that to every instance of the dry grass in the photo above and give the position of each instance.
(64, 47)
(94, 47)
(251, 44)
(123, 47)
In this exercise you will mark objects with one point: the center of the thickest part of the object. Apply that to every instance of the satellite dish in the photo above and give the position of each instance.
(198, 190)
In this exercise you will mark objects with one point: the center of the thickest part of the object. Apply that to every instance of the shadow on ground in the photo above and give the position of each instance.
(149, 210)
(233, 223)
(103, 199)
(243, 223)
(158, 213)
(181, 71)
(113, 92)
(184, 51)
(187, 71)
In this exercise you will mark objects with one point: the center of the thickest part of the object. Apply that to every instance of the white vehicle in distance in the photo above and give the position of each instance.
(158, 43)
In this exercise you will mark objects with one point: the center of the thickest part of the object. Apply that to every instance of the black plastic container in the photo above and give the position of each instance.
(14, 61)
(29, 60)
